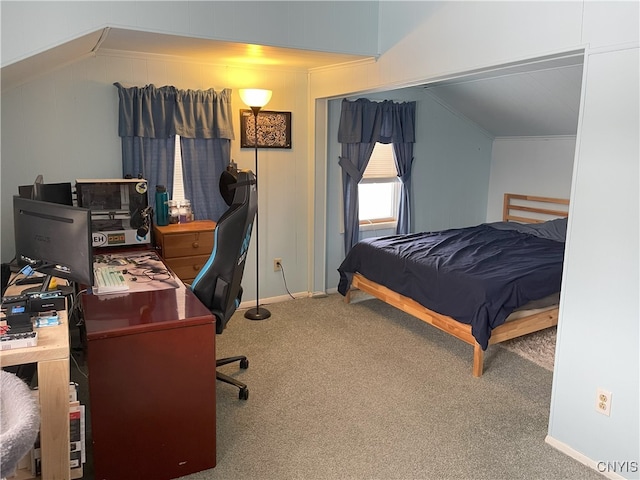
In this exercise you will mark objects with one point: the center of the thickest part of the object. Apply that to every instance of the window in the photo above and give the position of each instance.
(379, 190)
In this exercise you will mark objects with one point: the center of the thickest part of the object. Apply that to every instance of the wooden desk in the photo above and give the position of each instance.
(52, 357)
(151, 359)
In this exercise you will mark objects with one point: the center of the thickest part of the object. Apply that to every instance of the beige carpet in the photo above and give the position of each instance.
(538, 347)
(367, 392)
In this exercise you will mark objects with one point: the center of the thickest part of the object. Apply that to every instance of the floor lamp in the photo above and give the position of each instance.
(256, 99)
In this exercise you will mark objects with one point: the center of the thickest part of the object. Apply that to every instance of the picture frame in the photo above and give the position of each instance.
(274, 129)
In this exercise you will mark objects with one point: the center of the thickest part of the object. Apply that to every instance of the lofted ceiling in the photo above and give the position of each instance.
(219, 52)
(132, 42)
(534, 99)
(539, 98)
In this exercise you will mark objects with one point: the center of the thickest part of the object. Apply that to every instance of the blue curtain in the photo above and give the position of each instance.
(404, 160)
(203, 161)
(354, 160)
(151, 117)
(151, 159)
(362, 124)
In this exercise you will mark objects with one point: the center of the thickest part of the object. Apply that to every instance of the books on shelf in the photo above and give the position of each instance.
(77, 442)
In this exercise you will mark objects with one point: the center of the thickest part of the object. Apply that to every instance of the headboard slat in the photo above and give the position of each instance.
(551, 207)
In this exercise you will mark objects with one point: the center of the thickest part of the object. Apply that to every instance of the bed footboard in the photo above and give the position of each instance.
(506, 331)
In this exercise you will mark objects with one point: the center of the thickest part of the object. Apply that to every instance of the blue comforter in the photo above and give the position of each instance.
(476, 275)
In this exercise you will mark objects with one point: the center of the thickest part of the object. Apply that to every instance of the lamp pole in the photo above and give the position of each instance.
(257, 313)
(256, 99)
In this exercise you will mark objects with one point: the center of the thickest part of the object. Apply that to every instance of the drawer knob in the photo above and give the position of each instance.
(195, 244)
(197, 267)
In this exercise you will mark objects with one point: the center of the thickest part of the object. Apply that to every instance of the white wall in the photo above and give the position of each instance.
(446, 38)
(450, 176)
(64, 126)
(598, 333)
(530, 166)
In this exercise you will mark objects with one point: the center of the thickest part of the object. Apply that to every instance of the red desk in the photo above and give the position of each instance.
(151, 358)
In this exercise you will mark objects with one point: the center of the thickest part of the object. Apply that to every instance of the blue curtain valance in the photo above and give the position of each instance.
(163, 112)
(364, 121)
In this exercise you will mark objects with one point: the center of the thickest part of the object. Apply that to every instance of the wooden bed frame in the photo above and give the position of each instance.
(521, 208)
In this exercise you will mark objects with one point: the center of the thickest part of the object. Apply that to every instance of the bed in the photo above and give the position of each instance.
(484, 284)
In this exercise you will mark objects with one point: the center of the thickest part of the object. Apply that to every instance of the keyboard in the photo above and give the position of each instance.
(109, 280)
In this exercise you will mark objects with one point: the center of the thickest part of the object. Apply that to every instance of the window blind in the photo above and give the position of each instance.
(178, 184)
(382, 163)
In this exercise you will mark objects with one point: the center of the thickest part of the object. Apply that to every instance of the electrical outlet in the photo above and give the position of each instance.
(277, 264)
(603, 402)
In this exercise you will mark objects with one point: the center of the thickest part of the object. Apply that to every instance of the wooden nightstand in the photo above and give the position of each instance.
(185, 247)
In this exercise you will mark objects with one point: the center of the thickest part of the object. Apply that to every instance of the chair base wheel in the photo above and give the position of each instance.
(243, 394)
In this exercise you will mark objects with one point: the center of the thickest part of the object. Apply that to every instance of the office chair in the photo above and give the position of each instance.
(19, 421)
(218, 284)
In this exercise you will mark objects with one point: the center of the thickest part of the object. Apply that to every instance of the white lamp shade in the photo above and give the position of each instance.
(255, 97)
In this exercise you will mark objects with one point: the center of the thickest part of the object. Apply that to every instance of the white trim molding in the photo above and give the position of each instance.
(599, 466)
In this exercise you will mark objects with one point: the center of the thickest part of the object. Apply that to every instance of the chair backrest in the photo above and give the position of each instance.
(218, 284)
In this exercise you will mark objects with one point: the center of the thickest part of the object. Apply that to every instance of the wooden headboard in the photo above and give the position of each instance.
(533, 209)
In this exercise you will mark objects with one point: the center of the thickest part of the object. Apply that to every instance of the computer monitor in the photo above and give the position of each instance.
(48, 192)
(54, 192)
(53, 239)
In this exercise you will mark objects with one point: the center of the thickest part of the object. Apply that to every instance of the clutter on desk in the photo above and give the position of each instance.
(180, 211)
(46, 319)
(185, 211)
(137, 271)
(16, 331)
(21, 314)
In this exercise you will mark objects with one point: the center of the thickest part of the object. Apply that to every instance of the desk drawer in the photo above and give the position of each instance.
(187, 267)
(187, 244)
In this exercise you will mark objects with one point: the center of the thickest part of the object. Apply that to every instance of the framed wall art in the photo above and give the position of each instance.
(274, 129)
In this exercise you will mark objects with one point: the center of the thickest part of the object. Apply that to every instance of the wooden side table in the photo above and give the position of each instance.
(52, 356)
(185, 247)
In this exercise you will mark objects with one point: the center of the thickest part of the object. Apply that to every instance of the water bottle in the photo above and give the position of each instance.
(162, 207)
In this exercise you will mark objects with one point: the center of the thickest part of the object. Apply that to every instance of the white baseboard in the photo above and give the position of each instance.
(597, 466)
(270, 300)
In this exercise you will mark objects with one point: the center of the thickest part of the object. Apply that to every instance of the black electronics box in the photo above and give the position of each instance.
(19, 323)
(44, 304)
